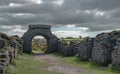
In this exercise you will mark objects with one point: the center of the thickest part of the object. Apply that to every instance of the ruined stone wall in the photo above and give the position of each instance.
(10, 47)
(103, 50)
(68, 49)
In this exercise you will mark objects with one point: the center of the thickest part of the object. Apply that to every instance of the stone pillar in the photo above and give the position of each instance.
(52, 44)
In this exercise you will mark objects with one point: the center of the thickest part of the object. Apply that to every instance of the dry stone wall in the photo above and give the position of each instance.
(10, 46)
(68, 49)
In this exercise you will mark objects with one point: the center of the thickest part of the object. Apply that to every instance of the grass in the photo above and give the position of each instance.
(68, 40)
(26, 64)
(74, 61)
(38, 51)
(38, 47)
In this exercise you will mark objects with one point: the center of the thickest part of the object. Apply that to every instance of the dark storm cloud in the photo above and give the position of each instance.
(94, 14)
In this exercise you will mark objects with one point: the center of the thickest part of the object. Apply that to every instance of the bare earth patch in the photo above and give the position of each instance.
(58, 66)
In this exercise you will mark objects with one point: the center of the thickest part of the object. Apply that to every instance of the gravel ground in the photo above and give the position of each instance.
(57, 65)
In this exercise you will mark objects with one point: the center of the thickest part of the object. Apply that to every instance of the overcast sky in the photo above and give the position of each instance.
(67, 17)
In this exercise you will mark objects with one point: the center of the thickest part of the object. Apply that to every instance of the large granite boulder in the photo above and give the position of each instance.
(85, 48)
(114, 35)
(103, 47)
(116, 56)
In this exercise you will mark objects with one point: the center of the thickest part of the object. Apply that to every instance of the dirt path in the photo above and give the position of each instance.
(58, 66)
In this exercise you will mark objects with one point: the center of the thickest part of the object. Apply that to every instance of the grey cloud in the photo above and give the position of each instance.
(70, 12)
(6, 2)
(93, 4)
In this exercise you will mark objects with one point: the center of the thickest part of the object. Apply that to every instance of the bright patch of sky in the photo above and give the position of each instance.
(37, 1)
(21, 14)
(14, 4)
(72, 31)
(70, 28)
(58, 2)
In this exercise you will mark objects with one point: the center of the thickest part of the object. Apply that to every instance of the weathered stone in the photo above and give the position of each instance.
(43, 30)
(85, 49)
(114, 35)
(4, 36)
(116, 56)
(53, 43)
(103, 47)
(73, 48)
(101, 50)
(59, 46)
(64, 48)
(2, 43)
(68, 50)
(39, 26)
(17, 43)
(4, 58)
(2, 68)
(9, 46)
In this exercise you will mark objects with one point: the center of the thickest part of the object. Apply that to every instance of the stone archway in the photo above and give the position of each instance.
(42, 30)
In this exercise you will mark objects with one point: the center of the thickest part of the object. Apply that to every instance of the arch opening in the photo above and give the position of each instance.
(39, 45)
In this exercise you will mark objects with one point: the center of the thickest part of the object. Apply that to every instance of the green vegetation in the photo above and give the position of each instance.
(39, 46)
(68, 40)
(26, 64)
(38, 51)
